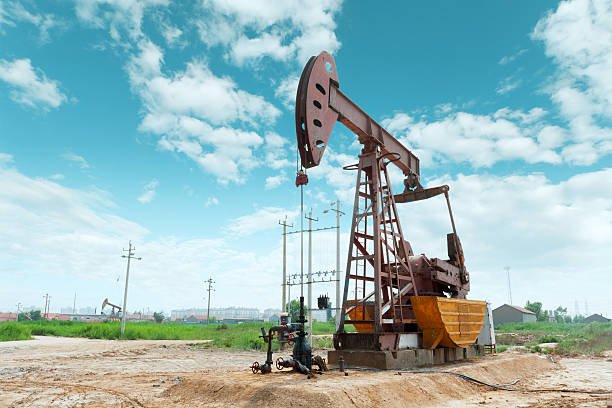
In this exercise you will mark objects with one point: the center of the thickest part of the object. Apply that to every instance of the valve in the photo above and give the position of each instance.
(279, 363)
(291, 339)
(255, 367)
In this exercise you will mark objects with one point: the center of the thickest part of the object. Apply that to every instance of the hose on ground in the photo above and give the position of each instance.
(503, 387)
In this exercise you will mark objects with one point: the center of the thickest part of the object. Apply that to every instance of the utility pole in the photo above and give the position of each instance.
(74, 304)
(310, 220)
(210, 289)
(338, 298)
(47, 303)
(18, 311)
(130, 254)
(507, 268)
(285, 225)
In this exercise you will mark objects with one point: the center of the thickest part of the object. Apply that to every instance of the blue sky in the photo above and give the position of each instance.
(171, 124)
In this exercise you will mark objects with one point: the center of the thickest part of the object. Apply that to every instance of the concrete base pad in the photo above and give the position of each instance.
(403, 359)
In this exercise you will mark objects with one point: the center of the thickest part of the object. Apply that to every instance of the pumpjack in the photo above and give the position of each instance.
(394, 298)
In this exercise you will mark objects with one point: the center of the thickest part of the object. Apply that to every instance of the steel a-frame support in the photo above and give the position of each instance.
(377, 263)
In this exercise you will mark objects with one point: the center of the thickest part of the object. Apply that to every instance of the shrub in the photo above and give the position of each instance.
(14, 331)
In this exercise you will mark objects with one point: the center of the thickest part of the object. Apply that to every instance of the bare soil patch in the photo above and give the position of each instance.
(71, 372)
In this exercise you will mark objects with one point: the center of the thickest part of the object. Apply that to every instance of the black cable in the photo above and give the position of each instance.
(503, 387)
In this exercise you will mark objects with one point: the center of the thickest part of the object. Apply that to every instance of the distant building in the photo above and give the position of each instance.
(87, 311)
(512, 314)
(196, 319)
(8, 317)
(139, 318)
(67, 310)
(596, 318)
(270, 312)
(321, 315)
(219, 313)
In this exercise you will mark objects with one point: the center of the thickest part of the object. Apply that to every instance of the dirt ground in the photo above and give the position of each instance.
(69, 372)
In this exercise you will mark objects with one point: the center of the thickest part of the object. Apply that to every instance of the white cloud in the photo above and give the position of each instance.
(5, 159)
(122, 18)
(16, 12)
(252, 29)
(172, 35)
(548, 233)
(212, 201)
(481, 140)
(30, 86)
(507, 85)
(275, 181)
(56, 237)
(255, 48)
(275, 152)
(330, 170)
(508, 59)
(68, 231)
(80, 160)
(262, 219)
(149, 192)
(578, 36)
(4, 17)
(526, 118)
(201, 128)
(57, 177)
(286, 90)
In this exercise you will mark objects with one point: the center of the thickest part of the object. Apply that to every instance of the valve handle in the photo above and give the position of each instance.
(255, 367)
(279, 363)
(291, 339)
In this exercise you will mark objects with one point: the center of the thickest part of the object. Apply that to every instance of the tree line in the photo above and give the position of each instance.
(559, 315)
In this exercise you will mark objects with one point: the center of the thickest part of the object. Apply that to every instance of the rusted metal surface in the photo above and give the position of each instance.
(448, 322)
(422, 194)
(314, 119)
(382, 273)
(319, 104)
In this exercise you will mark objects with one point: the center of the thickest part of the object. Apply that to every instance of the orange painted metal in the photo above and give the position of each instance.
(447, 322)
(356, 314)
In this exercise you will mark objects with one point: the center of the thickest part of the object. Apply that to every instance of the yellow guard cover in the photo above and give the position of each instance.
(448, 322)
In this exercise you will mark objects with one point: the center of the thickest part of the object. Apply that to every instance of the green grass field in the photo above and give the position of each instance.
(572, 339)
(10, 331)
(236, 336)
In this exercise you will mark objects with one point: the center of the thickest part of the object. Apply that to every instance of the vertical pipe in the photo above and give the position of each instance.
(338, 301)
(376, 207)
(127, 277)
(284, 283)
(310, 277)
(302, 241)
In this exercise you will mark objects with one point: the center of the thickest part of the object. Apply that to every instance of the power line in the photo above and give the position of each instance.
(313, 230)
(338, 214)
(131, 250)
(310, 220)
(292, 280)
(285, 225)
